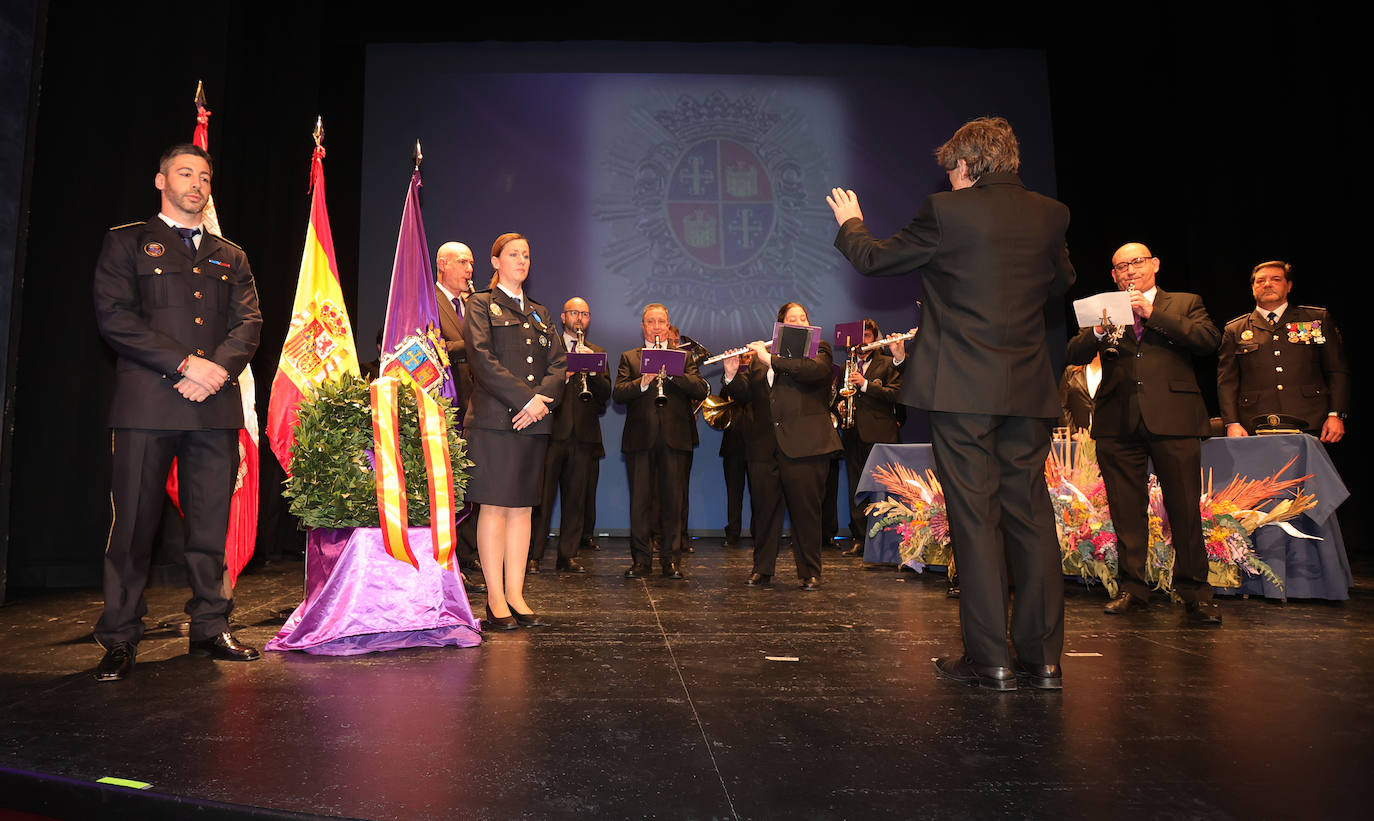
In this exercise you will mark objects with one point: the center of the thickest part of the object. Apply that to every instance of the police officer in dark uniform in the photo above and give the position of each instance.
(518, 364)
(179, 307)
(1282, 360)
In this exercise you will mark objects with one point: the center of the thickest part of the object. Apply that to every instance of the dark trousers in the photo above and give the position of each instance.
(207, 464)
(565, 478)
(589, 520)
(1125, 473)
(992, 469)
(656, 479)
(466, 550)
(797, 486)
(736, 473)
(856, 453)
(830, 502)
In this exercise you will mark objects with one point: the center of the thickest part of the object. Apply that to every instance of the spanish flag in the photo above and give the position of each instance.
(319, 343)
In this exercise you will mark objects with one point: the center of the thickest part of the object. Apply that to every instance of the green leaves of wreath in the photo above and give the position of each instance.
(333, 483)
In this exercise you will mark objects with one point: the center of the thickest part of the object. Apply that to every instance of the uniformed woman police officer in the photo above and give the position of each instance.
(518, 362)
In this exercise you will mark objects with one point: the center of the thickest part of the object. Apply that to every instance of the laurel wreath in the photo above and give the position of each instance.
(333, 483)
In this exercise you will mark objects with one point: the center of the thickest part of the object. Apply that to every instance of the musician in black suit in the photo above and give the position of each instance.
(789, 446)
(1149, 409)
(179, 307)
(992, 258)
(1077, 389)
(1282, 359)
(574, 444)
(657, 442)
(518, 365)
(734, 421)
(877, 386)
(453, 285)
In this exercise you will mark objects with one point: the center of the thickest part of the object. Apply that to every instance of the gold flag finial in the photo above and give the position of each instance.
(318, 133)
(200, 94)
(419, 155)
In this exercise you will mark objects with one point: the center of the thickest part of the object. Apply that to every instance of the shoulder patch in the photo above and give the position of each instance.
(128, 225)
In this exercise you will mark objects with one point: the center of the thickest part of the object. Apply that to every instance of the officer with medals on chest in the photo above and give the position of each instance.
(1282, 366)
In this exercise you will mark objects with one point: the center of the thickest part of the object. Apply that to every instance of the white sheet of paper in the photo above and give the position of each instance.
(1117, 304)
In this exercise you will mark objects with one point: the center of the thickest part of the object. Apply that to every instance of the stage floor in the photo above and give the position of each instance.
(658, 699)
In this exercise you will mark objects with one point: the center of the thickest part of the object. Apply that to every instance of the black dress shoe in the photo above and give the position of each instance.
(758, 579)
(811, 583)
(117, 663)
(1040, 676)
(728, 543)
(673, 572)
(570, 566)
(471, 586)
(1205, 613)
(527, 619)
(856, 549)
(225, 647)
(491, 622)
(1125, 602)
(532, 567)
(964, 669)
(591, 543)
(637, 571)
(952, 592)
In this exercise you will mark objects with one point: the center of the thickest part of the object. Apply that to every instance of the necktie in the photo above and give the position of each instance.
(1273, 317)
(1139, 325)
(188, 236)
(458, 306)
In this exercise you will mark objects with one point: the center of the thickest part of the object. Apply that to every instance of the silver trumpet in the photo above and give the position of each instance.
(586, 393)
(660, 398)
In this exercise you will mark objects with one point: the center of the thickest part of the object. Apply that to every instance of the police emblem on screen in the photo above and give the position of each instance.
(709, 210)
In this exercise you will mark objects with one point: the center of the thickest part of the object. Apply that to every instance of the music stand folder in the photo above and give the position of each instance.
(797, 341)
(848, 334)
(587, 362)
(673, 362)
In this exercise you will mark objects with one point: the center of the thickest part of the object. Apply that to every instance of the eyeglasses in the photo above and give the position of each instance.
(578, 313)
(1121, 267)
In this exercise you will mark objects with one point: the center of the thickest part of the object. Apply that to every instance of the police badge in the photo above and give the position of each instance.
(1247, 335)
(154, 249)
(495, 310)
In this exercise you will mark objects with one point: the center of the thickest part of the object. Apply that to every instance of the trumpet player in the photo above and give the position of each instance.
(660, 434)
(789, 446)
(574, 447)
(869, 415)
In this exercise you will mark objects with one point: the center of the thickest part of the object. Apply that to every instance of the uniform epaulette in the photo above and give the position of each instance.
(1312, 308)
(229, 241)
(128, 225)
(1231, 322)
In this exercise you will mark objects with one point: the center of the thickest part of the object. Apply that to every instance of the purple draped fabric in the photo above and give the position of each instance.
(412, 306)
(359, 599)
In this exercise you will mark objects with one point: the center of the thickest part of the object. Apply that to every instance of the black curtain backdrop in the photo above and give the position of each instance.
(1218, 142)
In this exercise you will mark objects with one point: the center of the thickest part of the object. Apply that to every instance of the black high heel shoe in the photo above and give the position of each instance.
(527, 619)
(503, 623)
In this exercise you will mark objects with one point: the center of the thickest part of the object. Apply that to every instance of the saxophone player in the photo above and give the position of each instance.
(574, 447)
(871, 416)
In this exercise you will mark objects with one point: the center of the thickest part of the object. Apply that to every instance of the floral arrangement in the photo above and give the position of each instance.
(1230, 518)
(917, 514)
(1083, 522)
